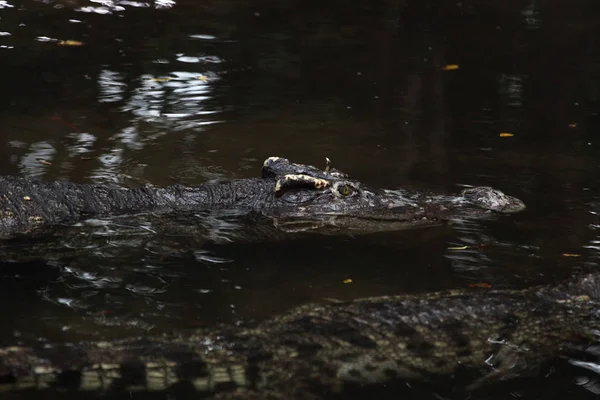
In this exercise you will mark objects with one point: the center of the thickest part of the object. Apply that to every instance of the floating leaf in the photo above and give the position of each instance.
(450, 67)
(203, 78)
(26, 198)
(483, 285)
(348, 280)
(506, 134)
(571, 255)
(69, 43)
(42, 161)
(573, 125)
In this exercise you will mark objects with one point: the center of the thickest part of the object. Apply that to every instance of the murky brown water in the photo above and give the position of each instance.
(396, 93)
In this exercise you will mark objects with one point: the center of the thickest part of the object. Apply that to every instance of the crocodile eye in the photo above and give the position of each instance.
(346, 190)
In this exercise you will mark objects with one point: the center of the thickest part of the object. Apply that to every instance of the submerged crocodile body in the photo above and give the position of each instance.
(329, 350)
(298, 197)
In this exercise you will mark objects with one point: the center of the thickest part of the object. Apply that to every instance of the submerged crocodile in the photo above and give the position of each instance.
(330, 350)
(298, 197)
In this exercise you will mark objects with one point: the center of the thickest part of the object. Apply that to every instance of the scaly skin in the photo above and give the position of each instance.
(290, 193)
(323, 349)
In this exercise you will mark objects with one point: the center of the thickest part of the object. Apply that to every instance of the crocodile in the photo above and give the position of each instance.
(297, 197)
(331, 350)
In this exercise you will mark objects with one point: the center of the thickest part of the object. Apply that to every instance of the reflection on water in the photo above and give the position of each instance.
(399, 94)
(29, 163)
(176, 97)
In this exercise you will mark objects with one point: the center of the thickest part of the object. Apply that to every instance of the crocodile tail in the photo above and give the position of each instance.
(137, 365)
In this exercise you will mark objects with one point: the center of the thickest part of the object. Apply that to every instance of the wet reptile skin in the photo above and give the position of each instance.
(287, 192)
(316, 351)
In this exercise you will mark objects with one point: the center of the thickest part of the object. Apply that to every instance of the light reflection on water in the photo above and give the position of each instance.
(115, 6)
(178, 95)
(160, 268)
(29, 163)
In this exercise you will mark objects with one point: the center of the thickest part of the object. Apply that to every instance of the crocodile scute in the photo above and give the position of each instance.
(330, 350)
(293, 195)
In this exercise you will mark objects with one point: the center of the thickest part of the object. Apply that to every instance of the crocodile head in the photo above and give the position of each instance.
(488, 198)
(310, 198)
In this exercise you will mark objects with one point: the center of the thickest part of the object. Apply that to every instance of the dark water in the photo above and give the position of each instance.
(127, 93)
